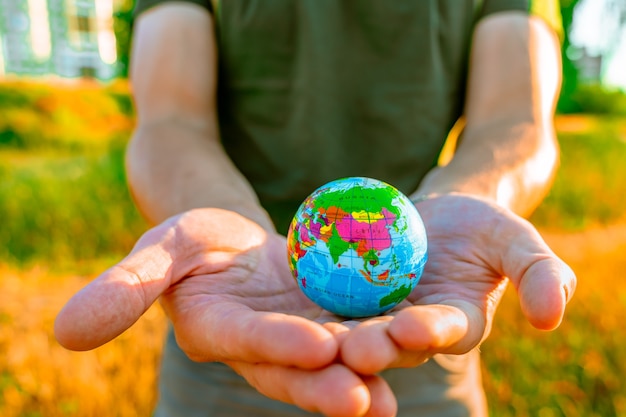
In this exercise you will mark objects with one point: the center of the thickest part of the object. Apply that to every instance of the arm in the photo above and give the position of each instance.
(222, 280)
(477, 241)
(175, 161)
(507, 152)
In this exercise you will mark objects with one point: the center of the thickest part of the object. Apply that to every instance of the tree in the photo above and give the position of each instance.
(570, 71)
(123, 27)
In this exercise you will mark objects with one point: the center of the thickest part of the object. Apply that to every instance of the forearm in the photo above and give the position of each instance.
(514, 165)
(508, 152)
(175, 161)
(173, 167)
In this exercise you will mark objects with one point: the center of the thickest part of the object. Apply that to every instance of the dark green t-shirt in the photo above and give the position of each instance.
(315, 90)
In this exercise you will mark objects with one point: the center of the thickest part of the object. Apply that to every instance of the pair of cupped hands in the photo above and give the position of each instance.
(225, 284)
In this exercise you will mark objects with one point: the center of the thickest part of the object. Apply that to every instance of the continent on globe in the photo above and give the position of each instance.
(357, 247)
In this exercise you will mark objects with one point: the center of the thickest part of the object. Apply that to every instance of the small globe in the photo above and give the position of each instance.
(357, 247)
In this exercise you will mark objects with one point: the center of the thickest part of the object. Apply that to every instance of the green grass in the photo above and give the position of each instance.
(63, 194)
(577, 370)
(64, 208)
(590, 187)
(64, 204)
(35, 116)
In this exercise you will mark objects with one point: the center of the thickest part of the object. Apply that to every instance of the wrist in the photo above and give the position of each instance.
(484, 186)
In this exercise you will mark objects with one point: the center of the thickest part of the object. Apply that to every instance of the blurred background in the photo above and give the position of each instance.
(66, 214)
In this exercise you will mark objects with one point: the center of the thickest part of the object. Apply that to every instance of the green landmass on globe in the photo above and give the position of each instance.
(357, 246)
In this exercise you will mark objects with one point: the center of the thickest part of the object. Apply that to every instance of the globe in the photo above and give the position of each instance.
(357, 247)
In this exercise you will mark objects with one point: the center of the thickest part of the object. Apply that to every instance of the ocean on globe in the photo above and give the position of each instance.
(357, 247)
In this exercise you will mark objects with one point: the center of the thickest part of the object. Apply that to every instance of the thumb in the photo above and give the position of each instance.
(545, 284)
(116, 299)
(544, 291)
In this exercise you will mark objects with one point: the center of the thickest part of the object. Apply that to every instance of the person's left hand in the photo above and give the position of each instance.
(473, 246)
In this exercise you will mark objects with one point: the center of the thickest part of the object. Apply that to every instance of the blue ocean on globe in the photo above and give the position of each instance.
(357, 247)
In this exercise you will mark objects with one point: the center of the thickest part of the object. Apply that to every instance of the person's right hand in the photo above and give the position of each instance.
(225, 284)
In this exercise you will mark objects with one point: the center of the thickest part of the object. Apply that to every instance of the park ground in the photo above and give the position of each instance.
(576, 370)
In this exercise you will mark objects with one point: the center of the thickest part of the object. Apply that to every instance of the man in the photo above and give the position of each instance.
(303, 92)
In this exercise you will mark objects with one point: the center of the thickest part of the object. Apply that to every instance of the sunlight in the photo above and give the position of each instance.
(616, 71)
(595, 29)
(106, 37)
(39, 28)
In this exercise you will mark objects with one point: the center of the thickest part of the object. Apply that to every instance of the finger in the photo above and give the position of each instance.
(451, 327)
(369, 348)
(339, 330)
(116, 299)
(544, 283)
(224, 331)
(334, 391)
(544, 291)
(383, 402)
(411, 336)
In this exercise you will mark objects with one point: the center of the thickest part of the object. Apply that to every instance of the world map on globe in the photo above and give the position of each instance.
(357, 247)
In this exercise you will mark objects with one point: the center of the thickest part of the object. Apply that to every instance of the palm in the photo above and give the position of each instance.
(253, 278)
(465, 264)
(227, 288)
(473, 247)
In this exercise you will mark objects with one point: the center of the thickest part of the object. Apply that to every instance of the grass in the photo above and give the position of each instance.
(63, 207)
(578, 369)
(39, 378)
(67, 215)
(574, 371)
(590, 185)
(63, 194)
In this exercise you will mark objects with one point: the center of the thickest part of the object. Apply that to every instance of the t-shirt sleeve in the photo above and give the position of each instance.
(143, 5)
(548, 10)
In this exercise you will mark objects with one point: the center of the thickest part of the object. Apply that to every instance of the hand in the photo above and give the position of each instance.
(226, 286)
(473, 246)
